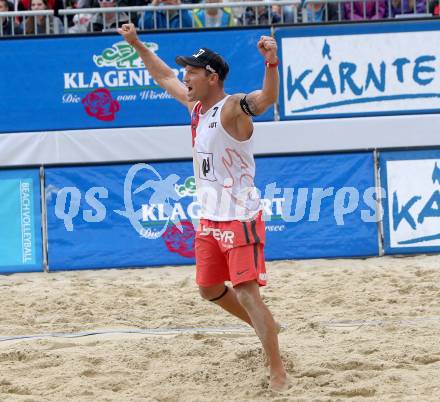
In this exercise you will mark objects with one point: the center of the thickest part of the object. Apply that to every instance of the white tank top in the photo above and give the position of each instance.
(224, 168)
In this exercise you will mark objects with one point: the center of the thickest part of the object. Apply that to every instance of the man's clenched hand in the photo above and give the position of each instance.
(128, 31)
(267, 46)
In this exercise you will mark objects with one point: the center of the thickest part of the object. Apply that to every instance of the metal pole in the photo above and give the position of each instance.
(379, 207)
(44, 221)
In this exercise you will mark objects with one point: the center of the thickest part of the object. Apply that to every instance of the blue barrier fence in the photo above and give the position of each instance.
(317, 206)
(314, 206)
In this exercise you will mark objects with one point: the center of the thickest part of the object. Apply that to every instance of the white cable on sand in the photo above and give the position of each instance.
(145, 331)
(335, 324)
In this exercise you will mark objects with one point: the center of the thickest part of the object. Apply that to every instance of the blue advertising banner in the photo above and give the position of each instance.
(100, 82)
(20, 221)
(112, 216)
(319, 206)
(411, 180)
(359, 69)
(129, 215)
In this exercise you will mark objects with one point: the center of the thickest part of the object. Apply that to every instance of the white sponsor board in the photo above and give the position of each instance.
(375, 73)
(413, 194)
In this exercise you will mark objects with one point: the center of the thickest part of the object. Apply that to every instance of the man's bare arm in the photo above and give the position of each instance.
(158, 69)
(256, 102)
(259, 101)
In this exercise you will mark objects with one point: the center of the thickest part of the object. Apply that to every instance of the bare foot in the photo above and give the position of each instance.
(279, 382)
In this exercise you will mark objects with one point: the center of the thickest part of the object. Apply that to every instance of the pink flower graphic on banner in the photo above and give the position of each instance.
(179, 242)
(101, 105)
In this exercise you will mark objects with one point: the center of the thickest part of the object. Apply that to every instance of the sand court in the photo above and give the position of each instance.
(357, 330)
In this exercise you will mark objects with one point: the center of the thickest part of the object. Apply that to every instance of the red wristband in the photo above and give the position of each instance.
(272, 65)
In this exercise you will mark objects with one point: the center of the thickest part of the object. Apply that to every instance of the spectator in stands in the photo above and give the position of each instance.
(175, 18)
(400, 7)
(319, 12)
(236, 11)
(8, 25)
(55, 5)
(106, 22)
(42, 24)
(286, 13)
(133, 16)
(434, 7)
(82, 22)
(368, 10)
(260, 16)
(213, 17)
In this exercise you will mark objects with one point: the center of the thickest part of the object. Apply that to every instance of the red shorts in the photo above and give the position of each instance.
(230, 251)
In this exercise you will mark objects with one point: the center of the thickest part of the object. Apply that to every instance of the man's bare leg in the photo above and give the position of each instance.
(228, 301)
(248, 295)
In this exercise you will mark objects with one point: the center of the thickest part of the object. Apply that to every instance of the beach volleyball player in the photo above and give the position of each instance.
(230, 237)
